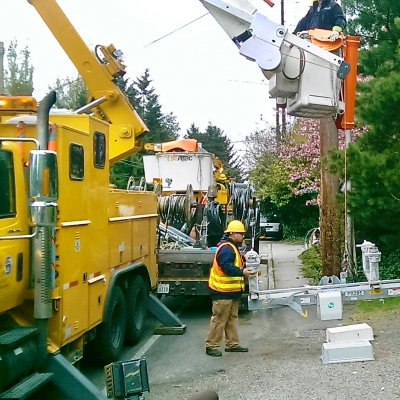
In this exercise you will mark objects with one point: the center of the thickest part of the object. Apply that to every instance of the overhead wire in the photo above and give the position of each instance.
(176, 30)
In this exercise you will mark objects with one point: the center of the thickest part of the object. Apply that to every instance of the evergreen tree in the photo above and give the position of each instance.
(162, 127)
(372, 161)
(71, 93)
(215, 141)
(18, 77)
(375, 22)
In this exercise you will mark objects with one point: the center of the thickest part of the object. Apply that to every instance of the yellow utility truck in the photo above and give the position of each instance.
(77, 256)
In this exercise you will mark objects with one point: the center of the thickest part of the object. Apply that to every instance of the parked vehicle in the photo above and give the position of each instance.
(270, 228)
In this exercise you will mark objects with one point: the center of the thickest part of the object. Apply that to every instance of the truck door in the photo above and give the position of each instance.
(14, 253)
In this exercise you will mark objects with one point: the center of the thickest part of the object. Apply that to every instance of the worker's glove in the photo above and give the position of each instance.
(302, 34)
(335, 33)
(248, 272)
(334, 36)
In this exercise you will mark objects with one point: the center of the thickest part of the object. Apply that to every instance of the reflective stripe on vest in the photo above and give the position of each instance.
(221, 282)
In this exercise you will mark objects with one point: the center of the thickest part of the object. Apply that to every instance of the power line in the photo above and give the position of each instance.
(254, 83)
(176, 30)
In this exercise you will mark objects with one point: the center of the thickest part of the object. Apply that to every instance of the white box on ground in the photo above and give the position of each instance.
(360, 350)
(349, 333)
(329, 305)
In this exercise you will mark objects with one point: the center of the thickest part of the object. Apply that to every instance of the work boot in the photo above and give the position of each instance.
(236, 349)
(213, 352)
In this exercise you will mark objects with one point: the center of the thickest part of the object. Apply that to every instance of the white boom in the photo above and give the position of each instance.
(308, 76)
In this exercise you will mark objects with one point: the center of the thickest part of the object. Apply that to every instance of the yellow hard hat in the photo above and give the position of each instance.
(235, 226)
(222, 177)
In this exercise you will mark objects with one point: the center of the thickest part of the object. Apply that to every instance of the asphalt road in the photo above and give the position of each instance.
(173, 361)
(284, 358)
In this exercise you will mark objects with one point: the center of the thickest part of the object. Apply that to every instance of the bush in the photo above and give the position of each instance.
(312, 264)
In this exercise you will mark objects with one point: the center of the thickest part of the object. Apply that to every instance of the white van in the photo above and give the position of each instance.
(270, 228)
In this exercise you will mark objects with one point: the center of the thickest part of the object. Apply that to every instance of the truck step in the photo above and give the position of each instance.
(26, 387)
(13, 336)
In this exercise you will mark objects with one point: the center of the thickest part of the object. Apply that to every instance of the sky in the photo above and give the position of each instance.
(197, 71)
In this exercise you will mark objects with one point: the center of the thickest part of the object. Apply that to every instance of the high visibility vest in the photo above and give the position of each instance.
(221, 282)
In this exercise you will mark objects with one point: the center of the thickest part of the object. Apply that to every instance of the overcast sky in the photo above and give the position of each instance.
(196, 71)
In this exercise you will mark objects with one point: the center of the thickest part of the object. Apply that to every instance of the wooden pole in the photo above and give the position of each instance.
(330, 216)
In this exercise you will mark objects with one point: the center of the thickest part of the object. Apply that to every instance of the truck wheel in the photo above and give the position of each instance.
(110, 334)
(136, 309)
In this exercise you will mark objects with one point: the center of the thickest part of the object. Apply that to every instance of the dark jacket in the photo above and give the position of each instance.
(226, 259)
(330, 15)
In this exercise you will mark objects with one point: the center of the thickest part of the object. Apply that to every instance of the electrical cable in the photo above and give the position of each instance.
(176, 30)
(240, 197)
(214, 212)
(301, 67)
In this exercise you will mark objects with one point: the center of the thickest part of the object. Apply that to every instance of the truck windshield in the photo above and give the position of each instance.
(7, 185)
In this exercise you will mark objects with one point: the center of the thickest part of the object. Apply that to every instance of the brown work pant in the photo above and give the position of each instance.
(224, 319)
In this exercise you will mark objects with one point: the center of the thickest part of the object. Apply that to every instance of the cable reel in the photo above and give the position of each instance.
(242, 202)
(176, 209)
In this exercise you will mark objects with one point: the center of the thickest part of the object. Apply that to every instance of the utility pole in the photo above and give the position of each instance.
(1, 68)
(330, 216)
(280, 102)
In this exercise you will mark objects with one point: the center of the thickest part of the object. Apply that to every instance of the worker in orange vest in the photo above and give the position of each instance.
(226, 285)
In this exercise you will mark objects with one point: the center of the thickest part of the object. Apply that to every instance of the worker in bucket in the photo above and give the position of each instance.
(324, 14)
(226, 285)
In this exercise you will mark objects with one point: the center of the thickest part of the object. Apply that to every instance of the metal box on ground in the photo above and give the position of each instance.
(329, 305)
(347, 333)
(333, 353)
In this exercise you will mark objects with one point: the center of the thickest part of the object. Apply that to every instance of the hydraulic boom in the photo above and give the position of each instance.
(126, 127)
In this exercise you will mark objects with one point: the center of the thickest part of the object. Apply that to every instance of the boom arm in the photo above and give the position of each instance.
(126, 127)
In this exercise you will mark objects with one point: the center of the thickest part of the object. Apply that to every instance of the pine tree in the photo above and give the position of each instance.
(162, 127)
(372, 161)
(19, 75)
(71, 93)
(215, 141)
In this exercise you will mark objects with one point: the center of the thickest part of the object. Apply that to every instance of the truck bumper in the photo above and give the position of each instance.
(180, 287)
(192, 288)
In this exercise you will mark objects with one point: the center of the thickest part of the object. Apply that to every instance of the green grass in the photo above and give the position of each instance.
(375, 310)
(370, 306)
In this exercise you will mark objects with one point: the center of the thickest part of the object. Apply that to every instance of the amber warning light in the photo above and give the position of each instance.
(16, 104)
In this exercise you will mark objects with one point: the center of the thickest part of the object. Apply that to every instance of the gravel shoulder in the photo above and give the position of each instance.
(284, 362)
(284, 359)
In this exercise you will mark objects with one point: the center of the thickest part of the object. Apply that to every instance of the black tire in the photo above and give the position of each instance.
(110, 334)
(136, 309)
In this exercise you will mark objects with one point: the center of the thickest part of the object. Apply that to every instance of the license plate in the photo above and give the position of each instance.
(163, 288)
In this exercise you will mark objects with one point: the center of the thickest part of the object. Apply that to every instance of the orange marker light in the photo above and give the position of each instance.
(17, 104)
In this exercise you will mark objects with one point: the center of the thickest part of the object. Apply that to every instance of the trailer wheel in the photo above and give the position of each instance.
(136, 309)
(110, 334)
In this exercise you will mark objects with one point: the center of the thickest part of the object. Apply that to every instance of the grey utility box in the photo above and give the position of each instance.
(360, 350)
(329, 305)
